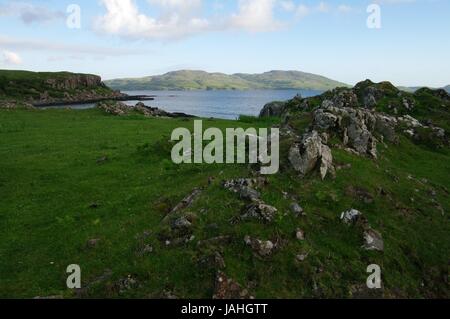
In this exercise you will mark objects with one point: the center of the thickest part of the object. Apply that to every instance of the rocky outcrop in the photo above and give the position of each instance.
(355, 126)
(349, 117)
(273, 109)
(120, 109)
(310, 153)
(114, 108)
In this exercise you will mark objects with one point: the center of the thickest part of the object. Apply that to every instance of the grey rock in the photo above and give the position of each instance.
(259, 211)
(273, 109)
(309, 153)
(296, 209)
(181, 223)
(263, 248)
(300, 234)
(373, 240)
(351, 216)
(248, 193)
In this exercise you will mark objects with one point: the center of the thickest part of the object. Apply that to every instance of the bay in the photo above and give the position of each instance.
(222, 104)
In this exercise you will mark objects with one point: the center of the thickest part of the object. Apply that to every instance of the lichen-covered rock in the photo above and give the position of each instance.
(373, 240)
(309, 153)
(351, 216)
(263, 248)
(259, 211)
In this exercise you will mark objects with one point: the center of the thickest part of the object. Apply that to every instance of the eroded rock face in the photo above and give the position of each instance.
(353, 125)
(309, 153)
(76, 81)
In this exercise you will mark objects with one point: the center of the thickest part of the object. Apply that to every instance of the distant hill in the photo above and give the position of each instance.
(200, 80)
(415, 88)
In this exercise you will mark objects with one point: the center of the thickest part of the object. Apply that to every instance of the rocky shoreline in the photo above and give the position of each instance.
(118, 108)
(121, 98)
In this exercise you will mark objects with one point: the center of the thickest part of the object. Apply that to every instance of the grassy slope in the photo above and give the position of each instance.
(200, 80)
(49, 177)
(22, 85)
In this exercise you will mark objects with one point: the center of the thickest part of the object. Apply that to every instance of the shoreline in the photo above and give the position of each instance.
(90, 101)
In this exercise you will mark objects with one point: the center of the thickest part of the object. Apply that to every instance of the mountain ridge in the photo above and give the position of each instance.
(202, 80)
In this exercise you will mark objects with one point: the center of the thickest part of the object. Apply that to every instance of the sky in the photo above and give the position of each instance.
(403, 41)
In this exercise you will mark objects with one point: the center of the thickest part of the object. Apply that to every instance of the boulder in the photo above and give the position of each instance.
(297, 209)
(373, 240)
(351, 217)
(263, 248)
(181, 223)
(310, 153)
(247, 193)
(259, 211)
(300, 234)
(273, 109)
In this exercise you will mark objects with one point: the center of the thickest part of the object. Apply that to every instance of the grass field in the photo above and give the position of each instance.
(70, 176)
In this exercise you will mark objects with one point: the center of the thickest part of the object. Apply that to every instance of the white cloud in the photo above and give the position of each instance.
(302, 11)
(123, 18)
(256, 16)
(30, 13)
(343, 8)
(53, 47)
(323, 7)
(172, 19)
(394, 1)
(11, 58)
(180, 18)
(288, 5)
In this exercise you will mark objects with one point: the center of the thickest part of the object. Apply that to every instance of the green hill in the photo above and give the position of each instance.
(200, 80)
(412, 89)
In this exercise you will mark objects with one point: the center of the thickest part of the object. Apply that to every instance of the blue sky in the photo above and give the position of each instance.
(131, 38)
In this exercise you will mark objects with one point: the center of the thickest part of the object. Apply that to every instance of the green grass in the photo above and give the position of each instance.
(50, 176)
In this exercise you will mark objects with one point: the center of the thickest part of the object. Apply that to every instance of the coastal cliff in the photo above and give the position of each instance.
(33, 88)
